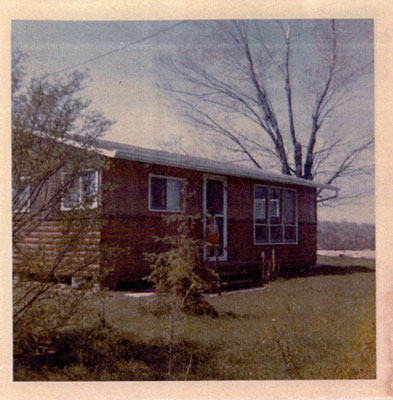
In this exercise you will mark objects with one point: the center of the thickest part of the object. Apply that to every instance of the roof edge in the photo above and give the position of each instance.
(111, 149)
(221, 170)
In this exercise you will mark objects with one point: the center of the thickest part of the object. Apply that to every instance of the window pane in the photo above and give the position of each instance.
(158, 193)
(88, 186)
(261, 235)
(275, 234)
(260, 193)
(21, 195)
(274, 206)
(25, 198)
(215, 197)
(290, 234)
(220, 224)
(260, 211)
(173, 195)
(289, 207)
(260, 205)
(71, 197)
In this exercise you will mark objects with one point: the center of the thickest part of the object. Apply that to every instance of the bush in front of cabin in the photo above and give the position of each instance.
(179, 276)
(178, 273)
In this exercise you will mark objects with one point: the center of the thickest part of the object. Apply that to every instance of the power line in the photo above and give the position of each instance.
(119, 49)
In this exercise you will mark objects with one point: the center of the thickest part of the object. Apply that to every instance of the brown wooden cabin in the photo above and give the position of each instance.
(266, 221)
(263, 218)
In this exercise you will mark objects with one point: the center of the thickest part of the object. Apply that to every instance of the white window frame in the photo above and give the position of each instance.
(282, 224)
(166, 177)
(79, 202)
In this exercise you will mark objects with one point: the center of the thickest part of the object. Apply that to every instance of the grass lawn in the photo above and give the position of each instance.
(320, 325)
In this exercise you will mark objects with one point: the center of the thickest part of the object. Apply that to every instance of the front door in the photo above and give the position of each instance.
(215, 203)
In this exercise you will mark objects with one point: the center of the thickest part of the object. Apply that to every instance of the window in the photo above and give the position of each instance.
(21, 195)
(165, 194)
(274, 216)
(82, 191)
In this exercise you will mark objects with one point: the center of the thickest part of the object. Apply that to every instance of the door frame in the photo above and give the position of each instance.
(222, 179)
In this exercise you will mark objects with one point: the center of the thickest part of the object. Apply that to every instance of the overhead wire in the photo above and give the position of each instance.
(118, 49)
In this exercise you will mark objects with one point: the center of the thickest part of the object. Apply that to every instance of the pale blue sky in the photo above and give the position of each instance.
(124, 84)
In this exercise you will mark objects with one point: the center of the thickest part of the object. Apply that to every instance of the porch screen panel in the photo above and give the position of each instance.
(260, 209)
(275, 220)
(289, 207)
(215, 197)
(220, 225)
(261, 234)
(260, 215)
(276, 234)
(289, 211)
(215, 206)
(275, 206)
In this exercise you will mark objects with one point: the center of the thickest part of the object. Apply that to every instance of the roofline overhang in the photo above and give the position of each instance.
(219, 170)
(170, 160)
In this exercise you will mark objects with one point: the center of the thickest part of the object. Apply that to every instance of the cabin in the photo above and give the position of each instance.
(265, 220)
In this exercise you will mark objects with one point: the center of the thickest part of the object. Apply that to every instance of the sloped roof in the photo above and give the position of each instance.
(130, 152)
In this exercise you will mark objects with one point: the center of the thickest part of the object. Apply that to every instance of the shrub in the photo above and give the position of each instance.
(178, 274)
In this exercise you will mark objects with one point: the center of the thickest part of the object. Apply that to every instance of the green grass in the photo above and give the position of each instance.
(320, 325)
(346, 262)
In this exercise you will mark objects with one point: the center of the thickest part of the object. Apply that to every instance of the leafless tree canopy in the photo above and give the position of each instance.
(280, 94)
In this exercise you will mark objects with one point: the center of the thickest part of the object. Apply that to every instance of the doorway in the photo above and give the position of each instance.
(215, 203)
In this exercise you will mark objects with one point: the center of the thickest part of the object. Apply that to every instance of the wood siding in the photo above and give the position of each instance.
(131, 226)
(45, 244)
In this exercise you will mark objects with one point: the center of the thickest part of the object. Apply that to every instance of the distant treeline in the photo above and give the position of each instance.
(345, 236)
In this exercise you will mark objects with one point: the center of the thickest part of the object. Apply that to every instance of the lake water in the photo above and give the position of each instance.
(369, 254)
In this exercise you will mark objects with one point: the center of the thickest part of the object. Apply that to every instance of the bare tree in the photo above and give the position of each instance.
(252, 86)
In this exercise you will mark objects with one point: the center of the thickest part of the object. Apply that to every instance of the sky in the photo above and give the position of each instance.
(123, 59)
